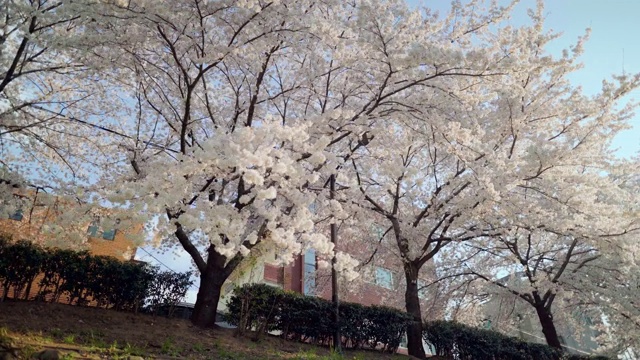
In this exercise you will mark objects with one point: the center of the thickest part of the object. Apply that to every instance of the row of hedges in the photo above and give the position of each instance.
(84, 279)
(586, 357)
(265, 308)
(457, 341)
(310, 319)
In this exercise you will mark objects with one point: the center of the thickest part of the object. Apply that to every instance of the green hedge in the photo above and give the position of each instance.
(586, 357)
(79, 277)
(166, 290)
(309, 319)
(457, 341)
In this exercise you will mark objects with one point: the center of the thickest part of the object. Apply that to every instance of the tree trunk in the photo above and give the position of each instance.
(414, 331)
(216, 270)
(337, 337)
(26, 293)
(205, 310)
(548, 327)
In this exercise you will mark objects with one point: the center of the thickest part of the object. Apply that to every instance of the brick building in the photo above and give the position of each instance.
(57, 222)
(381, 282)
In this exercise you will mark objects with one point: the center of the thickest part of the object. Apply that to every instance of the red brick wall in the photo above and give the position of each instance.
(42, 209)
(363, 290)
(274, 274)
(296, 275)
(29, 228)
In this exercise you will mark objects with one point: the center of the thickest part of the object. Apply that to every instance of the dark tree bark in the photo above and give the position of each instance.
(337, 337)
(213, 274)
(548, 326)
(205, 310)
(412, 300)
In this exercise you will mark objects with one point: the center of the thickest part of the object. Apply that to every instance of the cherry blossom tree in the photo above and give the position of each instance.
(241, 111)
(547, 268)
(229, 131)
(588, 265)
(560, 208)
(616, 302)
(515, 143)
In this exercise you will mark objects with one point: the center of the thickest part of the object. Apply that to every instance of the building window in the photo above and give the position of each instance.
(17, 216)
(95, 230)
(313, 208)
(384, 278)
(109, 234)
(309, 272)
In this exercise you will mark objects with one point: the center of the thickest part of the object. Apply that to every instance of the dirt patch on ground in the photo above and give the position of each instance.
(113, 334)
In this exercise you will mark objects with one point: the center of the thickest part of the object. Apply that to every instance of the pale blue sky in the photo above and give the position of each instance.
(615, 28)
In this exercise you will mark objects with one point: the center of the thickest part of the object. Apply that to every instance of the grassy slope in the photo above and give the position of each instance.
(96, 333)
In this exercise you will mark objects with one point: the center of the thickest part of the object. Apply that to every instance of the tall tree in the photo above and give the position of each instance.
(247, 106)
(547, 268)
(585, 260)
(237, 104)
(514, 143)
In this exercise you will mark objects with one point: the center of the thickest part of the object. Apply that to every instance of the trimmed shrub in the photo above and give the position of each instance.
(83, 279)
(386, 326)
(254, 307)
(165, 289)
(352, 327)
(21, 263)
(460, 342)
(303, 318)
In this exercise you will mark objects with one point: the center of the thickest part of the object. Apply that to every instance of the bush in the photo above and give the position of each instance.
(386, 326)
(305, 318)
(82, 278)
(21, 263)
(166, 289)
(256, 306)
(53, 270)
(457, 341)
(352, 326)
(310, 319)
(586, 357)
